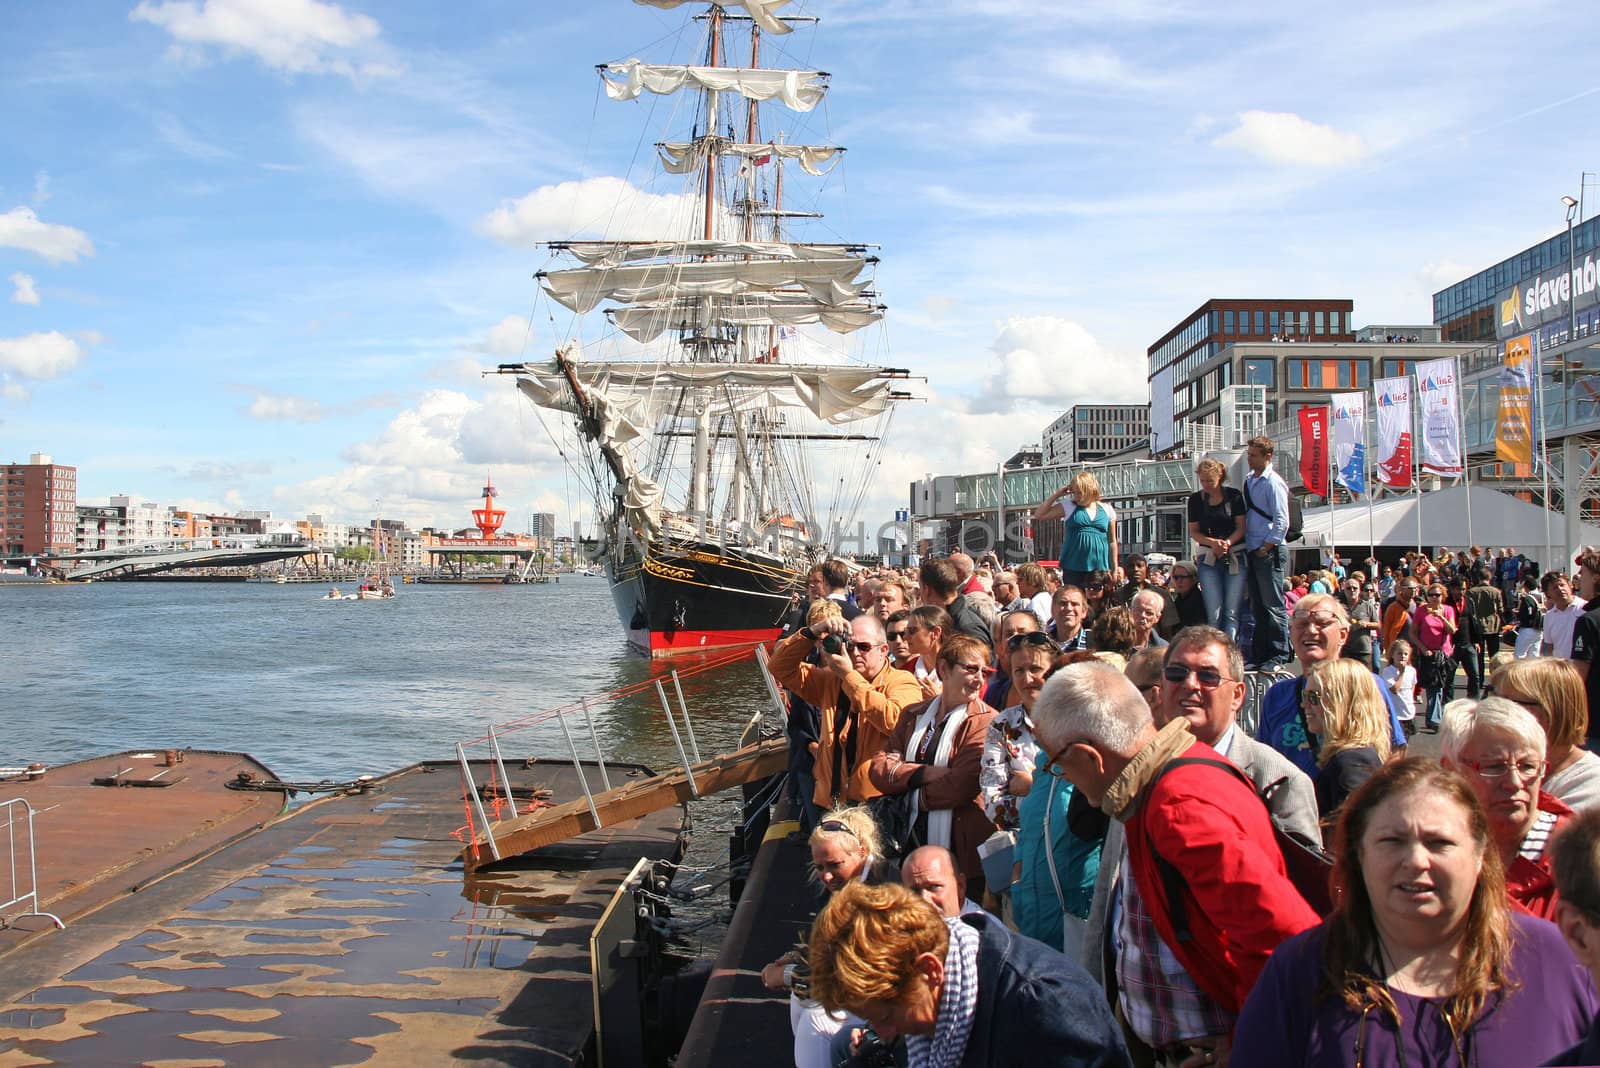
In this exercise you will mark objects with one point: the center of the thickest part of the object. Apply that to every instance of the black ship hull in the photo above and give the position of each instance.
(689, 597)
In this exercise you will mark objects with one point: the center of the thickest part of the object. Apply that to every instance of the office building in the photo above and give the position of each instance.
(1184, 373)
(40, 513)
(1094, 431)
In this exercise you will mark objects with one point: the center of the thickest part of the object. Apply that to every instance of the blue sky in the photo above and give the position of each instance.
(254, 253)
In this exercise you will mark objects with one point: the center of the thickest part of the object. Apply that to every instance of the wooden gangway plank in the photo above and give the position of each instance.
(547, 825)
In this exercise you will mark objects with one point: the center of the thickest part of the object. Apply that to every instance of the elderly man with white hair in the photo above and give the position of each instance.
(1499, 747)
(1205, 894)
(1146, 608)
(1318, 629)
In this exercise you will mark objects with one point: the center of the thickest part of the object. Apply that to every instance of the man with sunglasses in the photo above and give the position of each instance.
(1205, 896)
(859, 696)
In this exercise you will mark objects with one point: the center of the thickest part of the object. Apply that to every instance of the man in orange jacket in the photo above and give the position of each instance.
(858, 693)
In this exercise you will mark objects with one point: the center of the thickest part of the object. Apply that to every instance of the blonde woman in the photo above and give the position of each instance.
(845, 849)
(1345, 709)
(1089, 530)
(1552, 690)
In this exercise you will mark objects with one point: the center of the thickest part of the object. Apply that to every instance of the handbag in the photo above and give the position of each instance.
(897, 823)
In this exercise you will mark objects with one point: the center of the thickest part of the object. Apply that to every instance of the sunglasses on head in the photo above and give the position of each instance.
(837, 827)
(1028, 637)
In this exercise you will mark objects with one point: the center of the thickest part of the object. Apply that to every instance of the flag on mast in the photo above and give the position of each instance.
(1314, 450)
(1440, 397)
(1393, 397)
(1514, 430)
(1350, 441)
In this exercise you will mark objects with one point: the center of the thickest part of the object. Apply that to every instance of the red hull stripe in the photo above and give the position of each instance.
(695, 641)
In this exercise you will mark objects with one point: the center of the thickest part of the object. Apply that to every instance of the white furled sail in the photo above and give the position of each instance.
(763, 12)
(799, 90)
(616, 253)
(646, 322)
(581, 289)
(679, 157)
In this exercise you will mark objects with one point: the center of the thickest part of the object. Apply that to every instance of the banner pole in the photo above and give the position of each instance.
(1544, 446)
(1333, 481)
(1416, 452)
(1461, 444)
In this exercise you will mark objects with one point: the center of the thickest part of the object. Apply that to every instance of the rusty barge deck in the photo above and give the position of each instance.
(343, 933)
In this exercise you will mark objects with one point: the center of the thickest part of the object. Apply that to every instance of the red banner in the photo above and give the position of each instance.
(1314, 450)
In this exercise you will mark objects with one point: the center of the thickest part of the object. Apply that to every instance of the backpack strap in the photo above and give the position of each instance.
(1172, 882)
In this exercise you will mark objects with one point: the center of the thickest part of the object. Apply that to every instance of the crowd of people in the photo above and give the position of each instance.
(1049, 832)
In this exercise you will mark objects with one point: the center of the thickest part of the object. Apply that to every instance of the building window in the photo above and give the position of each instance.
(1261, 317)
(1259, 373)
(1227, 322)
(1320, 327)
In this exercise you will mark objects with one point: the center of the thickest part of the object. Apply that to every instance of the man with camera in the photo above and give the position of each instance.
(858, 692)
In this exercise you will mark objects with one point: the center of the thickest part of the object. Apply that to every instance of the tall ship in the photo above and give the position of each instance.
(718, 398)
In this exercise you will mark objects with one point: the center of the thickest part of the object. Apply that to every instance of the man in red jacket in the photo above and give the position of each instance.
(1205, 895)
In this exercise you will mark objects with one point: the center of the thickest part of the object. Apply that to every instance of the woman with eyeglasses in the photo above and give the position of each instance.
(1345, 710)
(934, 757)
(1089, 529)
(845, 849)
(1500, 749)
(1423, 961)
(1552, 691)
(1433, 627)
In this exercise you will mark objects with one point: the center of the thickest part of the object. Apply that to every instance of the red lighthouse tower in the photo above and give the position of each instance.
(488, 518)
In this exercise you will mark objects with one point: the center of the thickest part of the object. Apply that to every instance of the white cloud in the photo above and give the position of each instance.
(176, 133)
(39, 355)
(21, 228)
(286, 408)
(1284, 137)
(25, 293)
(594, 207)
(1098, 67)
(508, 337)
(293, 36)
(1047, 362)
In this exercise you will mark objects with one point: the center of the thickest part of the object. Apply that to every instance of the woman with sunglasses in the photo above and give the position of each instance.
(1500, 749)
(1433, 626)
(1552, 690)
(845, 849)
(1345, 710)
(934, 757)
(1423, 961)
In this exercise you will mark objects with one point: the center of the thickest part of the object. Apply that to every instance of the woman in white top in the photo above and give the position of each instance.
(926, 631)
(1553, 691)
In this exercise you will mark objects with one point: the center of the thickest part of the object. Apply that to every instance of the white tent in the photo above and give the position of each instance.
(1498, 520)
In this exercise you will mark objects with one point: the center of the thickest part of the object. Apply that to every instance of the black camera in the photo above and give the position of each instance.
(873, 1052)
(831, 644)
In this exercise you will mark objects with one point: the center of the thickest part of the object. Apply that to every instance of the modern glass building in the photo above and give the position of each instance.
(1470, 309)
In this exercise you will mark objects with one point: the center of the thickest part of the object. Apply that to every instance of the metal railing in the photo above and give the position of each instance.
(481, 818)
(18, 813)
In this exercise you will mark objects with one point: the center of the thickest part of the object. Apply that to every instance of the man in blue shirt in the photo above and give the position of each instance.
(1320, 628)
(1266, 522)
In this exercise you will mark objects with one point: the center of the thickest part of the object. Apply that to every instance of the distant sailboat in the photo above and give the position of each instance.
(718, 462)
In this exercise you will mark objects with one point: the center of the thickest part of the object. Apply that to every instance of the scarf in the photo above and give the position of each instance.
(958, 1004)
(939, 819)
(1122, 795)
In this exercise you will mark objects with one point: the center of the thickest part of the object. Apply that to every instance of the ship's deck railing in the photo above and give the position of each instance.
(20, 865)
(484, 808)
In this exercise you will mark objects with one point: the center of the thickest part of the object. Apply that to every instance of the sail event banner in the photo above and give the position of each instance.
(1440, 400)
(1314, 450)
(1513, 436)
(1350, 441)
(1394, 431)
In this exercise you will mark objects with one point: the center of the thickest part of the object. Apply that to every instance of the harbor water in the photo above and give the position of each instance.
(321, 689)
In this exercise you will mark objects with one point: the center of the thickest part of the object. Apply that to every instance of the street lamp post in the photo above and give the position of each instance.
(1572, 283)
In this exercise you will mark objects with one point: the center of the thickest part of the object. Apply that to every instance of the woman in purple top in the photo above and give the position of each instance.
(1422, 962)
